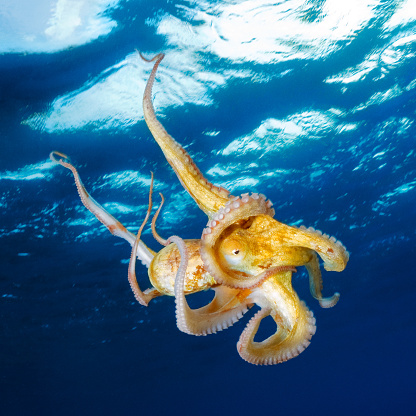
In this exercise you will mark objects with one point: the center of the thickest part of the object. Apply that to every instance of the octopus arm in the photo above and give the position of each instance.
(142, 297)
(208, 196)
(315, 284)
(227, 307)
(332, 252)
(295, 327)
(144, 253)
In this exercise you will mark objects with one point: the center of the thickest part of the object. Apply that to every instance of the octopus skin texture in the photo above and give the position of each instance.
(243, 254)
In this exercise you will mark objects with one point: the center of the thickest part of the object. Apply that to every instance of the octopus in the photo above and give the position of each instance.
(243, 254)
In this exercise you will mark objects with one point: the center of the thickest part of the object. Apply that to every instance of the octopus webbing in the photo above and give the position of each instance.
(243, 254)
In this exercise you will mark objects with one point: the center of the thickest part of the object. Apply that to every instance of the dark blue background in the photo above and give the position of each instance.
(72, 338)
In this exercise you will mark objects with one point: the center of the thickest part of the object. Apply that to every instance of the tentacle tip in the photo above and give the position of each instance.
(335, 267)
(55, 154)
(159, 56)
(143, 302)
(329, 302)
(142, 56)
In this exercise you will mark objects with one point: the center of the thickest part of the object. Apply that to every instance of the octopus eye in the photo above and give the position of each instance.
(232, 251)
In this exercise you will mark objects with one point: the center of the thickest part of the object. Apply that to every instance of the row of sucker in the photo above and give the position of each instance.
(180, 301)
(194, 170)
(231, 320)
(326, 236)
(233, 204)
(147, 104)
(249, 332)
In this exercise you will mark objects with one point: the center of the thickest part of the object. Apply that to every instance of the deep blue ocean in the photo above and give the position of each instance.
(310, 102)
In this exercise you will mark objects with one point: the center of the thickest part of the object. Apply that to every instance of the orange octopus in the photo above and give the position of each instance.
(244, 255)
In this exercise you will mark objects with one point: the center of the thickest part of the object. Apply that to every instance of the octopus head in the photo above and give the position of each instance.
(226, 250)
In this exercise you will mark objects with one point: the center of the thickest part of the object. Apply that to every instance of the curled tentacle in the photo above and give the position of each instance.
(142, 297)
(315, 284)
(226, 308)
(157, 237)
(115, 227)
(208, 196)
(157, 57)
(295, 327)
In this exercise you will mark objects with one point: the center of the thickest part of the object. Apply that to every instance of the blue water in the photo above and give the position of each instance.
(309, 102)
